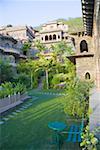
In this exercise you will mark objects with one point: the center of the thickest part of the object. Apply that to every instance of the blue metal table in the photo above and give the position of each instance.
(57, 127)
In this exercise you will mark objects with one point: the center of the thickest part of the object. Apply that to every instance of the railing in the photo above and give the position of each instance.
(12, 101)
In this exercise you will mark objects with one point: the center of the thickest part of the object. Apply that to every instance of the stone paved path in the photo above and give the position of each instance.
(95, 105)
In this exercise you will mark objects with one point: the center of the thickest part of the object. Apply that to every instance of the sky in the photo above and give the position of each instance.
(36, 12)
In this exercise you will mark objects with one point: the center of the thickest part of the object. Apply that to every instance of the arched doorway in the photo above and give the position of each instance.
(54, 37)
(87, 76)
(46, 38)
(50, 37)
(83, 46)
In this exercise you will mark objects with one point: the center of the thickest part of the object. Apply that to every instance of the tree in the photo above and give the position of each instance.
(39, 46)
(6, 71)
(62, 48)
(45, 65)
(26, 47)
(28, 67)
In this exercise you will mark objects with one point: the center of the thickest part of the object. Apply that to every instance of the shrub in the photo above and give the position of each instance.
(76, 101)
(9, 88)
(89, 141)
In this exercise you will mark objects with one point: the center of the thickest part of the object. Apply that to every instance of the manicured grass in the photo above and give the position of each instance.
(28, 130)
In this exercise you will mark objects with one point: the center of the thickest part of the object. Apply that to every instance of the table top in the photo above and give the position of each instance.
(57, 126)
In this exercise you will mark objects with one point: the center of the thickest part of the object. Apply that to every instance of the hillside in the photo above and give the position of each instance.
(75, 24)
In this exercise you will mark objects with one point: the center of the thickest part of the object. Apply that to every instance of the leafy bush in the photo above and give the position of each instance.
(23, 78)
(89, 141)
(6, 71)
(9, 88)
(76, 102)
(58, 80)
(19, 88)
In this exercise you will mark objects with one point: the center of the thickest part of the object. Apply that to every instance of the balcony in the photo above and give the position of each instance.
(10, 50)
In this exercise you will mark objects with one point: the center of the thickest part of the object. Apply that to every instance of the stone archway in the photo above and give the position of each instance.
(83, 46)
(46, 38)
(54, 37)
(50, 37)
(87, 76)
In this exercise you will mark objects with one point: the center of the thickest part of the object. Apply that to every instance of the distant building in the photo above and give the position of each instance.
(53, 33)
(10, 50)
(23, 33)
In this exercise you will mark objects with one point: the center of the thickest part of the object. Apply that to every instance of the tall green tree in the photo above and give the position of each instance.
(26, 47)
(6, 71)
(45, 65)
(28, 67)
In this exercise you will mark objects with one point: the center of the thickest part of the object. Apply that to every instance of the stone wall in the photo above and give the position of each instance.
(85, 65)
(96, 41)
(88, 39)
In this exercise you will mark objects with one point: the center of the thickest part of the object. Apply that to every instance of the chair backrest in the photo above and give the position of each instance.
(82, 125)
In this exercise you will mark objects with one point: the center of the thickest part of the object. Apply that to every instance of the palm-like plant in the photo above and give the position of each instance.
(45, 65)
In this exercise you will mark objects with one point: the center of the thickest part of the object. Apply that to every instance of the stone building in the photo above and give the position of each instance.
(91, 45)
(23, 33)
(52, 33)
(10, 50)
(87, 43)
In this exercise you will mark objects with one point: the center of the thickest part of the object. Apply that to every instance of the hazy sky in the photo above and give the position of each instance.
(35, 12)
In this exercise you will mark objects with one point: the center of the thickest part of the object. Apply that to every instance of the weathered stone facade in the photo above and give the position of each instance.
(23, 33)
(85, 62)
(10, 50)
(88, 44)
(52, 33)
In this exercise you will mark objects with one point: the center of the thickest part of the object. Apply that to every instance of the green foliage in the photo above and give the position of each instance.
(19, 88)
(9, 88)
(28, 73)
(62, 48)
(26, 46)
(74, 24)
(6, 72)
(39, 45)
(58, 78)
(89, 141)
(23, 78)
(76, 102)
(44, 84)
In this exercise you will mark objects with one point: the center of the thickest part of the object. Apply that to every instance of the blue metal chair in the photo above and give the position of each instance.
(74, 134)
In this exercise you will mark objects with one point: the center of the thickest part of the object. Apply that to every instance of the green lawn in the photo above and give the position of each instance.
(28, 130)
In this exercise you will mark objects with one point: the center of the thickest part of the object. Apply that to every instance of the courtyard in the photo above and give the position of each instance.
(28, 128)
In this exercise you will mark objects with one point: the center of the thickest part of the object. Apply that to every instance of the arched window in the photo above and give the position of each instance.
(50, 37)
(87, 76)
(58, 36)
(73, 40)
(46, 38)
(83, 46)
(54, 37)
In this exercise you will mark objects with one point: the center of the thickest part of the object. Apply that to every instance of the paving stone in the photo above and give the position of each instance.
(6, 119)
(22, 109)
(18, 111)
(1, 122)
(14, 113)
(11, 116)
